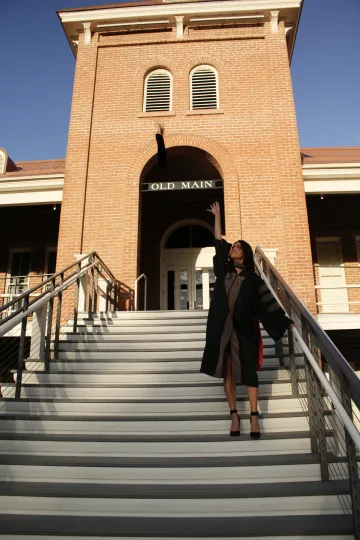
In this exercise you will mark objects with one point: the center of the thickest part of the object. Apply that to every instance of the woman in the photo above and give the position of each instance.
(233, 349)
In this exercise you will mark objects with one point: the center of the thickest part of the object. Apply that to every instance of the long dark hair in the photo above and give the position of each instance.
(249, 262)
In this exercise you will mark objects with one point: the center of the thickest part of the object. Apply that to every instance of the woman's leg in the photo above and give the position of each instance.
(230, 391)
(253, 392)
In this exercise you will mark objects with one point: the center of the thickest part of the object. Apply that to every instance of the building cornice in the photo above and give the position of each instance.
(178, 15)
(167, 9)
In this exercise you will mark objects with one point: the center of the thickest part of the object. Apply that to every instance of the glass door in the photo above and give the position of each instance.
(178, 289)
(187, 279)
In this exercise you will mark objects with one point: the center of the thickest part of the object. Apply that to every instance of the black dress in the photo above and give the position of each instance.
(239, 301)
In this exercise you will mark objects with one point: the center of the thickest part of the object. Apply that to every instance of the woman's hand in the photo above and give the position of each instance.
(214, 208)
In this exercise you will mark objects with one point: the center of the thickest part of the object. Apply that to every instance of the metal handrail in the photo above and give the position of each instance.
(40, 300)
(40, 285)
(338, 407)
(143, 276)
(76, 289)
(327, 347)
(331, 404)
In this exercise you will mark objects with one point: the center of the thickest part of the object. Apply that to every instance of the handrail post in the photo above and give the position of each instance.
(319, 411)
(351, 461)
(76, 302)
(310, 390)
(38, 328)
(21, 357)
(96, 287)
(49, 328)
(143, 276)
(91, 289)
(58, 319)
(291, 345)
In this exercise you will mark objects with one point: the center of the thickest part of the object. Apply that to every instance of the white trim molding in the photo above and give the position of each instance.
(339, 321)
(334, 178)
(27, 190)
(168, 9)
(204, 13)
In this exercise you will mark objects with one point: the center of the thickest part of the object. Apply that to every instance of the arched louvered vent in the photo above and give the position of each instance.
(204, 88)
(157, 94)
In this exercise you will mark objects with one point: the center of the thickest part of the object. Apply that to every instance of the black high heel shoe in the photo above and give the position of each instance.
(255, 434)
(235, 433)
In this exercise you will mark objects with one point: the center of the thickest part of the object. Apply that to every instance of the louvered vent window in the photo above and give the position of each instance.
(157, 95)
(204, 88)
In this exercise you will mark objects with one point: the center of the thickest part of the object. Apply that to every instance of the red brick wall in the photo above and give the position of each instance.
(253, 138)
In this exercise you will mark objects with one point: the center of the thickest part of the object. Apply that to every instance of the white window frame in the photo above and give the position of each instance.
(12, 251)
(11, 254)
(214, 70)
(152, 72)
(49, 249)
(357, 242)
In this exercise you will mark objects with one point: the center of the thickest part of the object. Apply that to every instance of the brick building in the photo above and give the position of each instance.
(214, 78)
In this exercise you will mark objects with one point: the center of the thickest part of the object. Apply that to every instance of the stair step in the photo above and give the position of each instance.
(137, 379)
(143, 337)
(302, 537)
(126, 366)
(178, 476)
(141, 355)
(143, 409)
(171, 393)
(323, 526)
(159, 427)
(270, 506)
(131, 328)
(133, 449)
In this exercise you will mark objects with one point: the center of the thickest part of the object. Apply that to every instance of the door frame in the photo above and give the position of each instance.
(197, 259)
(337, 240)
(181, 251)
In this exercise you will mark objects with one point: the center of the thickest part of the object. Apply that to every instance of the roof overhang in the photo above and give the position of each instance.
(31, 189)
(163, 15)
(332, 178)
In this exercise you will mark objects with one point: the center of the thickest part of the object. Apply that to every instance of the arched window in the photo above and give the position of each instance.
(158, 91)
(190, 236)
(204, 88)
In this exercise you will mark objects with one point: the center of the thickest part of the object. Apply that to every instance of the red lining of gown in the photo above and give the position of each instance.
(260, 357)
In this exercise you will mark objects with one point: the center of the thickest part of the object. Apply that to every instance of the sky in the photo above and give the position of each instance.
(37, 71)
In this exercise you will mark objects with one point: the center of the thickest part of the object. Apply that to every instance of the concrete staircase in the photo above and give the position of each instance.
(124, 438)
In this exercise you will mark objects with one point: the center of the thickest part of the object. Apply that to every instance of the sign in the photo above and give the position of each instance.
(184, 185)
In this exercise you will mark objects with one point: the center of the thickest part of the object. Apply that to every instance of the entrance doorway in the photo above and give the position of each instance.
(176, 234)
(187, 267)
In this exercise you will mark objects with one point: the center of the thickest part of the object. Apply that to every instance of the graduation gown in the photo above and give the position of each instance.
(254, 303)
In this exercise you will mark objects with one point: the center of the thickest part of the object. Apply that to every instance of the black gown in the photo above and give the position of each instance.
(253, 303)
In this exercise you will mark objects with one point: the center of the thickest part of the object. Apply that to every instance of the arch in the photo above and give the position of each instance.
(180, 224)
(217, 151)
(132, 206)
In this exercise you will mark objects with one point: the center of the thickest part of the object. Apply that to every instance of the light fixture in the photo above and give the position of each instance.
(54, 207)
(322, 197)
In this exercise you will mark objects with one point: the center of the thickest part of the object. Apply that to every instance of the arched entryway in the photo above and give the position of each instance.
(187, 277)
(176, 229)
